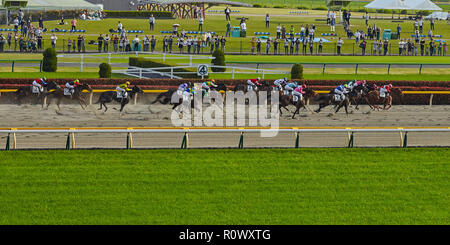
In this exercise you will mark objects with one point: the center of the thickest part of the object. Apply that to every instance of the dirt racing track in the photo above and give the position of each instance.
(145, 115)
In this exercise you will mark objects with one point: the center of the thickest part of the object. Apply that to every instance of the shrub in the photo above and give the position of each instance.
(424, 12)
(297, 71)
(105, 70)
(404, 11)
(278, 6)
(218, 61)
(138, 14)
(257, 5)
(50, 61)
(302, 7)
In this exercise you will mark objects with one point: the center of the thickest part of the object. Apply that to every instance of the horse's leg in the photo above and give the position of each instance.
(80, 101)
(104, 104)
(101, 105)
(58, 102)
(279, 107)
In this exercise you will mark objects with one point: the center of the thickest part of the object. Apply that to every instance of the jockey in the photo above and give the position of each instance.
(72, 85)
(39, 84)
(253, 83)
(386, 89)
(351, 84)
(341, 90)
(123, 89)
(298, 92)
(207, 85)
(280, 83)
(290, 87)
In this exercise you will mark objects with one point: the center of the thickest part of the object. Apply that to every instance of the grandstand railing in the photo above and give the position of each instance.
(11, 140)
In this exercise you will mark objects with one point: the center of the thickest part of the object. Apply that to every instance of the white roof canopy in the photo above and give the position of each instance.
(422, 5)
(403, 5)
(387, 4)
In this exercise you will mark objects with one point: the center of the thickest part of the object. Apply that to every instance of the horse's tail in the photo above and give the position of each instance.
(158, 99)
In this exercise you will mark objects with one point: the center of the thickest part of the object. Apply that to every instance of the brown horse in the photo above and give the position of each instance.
(58, 94)
(303, 103)
(329, 99)
(27, 91)
(373, 98)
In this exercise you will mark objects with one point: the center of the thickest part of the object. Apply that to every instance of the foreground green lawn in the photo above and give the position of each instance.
(279, 186)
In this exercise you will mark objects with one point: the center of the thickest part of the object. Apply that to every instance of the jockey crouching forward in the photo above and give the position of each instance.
(385, 90)
(279, 84)
(122, 90)
(207, 85)
(340, 91)
(252, 84)
(70, 86)
(38, 85)
(290, 87)
(298, 93)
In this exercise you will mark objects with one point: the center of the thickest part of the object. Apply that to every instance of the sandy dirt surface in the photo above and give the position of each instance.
(143, 115)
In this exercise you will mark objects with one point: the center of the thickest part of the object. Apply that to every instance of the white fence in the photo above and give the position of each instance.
(11, 142)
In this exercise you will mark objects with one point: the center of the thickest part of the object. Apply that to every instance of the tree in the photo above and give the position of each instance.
(297, 71)
(105, 70)
(50, 61)
(218, 61)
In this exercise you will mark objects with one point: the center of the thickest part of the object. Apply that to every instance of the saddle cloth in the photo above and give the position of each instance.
(67, 91)
(120, 95)
(36, 90)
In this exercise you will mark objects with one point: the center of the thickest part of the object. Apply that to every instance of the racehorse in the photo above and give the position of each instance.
(166, 97)
(303, 103)
(328, 99)
(374, 98)
(109, 96)
(58, 94)
(26, 91)
(244, 87)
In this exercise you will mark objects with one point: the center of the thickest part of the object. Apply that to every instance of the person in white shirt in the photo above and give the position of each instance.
(53, 38)
(340, 42)
(119, 27)
(136, 42)
(151, 20)
(367, 17)
(200, 23)
(278, 31)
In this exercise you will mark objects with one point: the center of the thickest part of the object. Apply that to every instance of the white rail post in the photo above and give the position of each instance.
(135, 98)
(90, 97)
(109, 58)
(190, 60)
(140, 72)
(81, 62)
(164, 57)
(232, 73)
(431, 100)
(171, 72)
(263, 74)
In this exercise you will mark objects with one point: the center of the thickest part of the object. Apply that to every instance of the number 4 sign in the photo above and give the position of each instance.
(202, 70)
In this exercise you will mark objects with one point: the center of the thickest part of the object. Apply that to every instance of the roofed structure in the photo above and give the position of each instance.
(45, 5)
(184, 8)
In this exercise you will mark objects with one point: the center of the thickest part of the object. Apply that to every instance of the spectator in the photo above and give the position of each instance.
(222, 44)
(385, 46)
(328, 18)
(16, 24)
(430, 34)
(432, 51)
(200, 23)
(41, 22)
(194, 44)
(2, 42)
(258, 46)
(399, 30)
(53, 40)
(278, 31)
(339, 44)
(267, 20)
(243, 29)
(227, 13)
(422, 46)
(119, 27)
(320, 45)
(333, 21)
(286, 46)
(304, 44)
(283, 32)
(297, 44)
(136, 42)
(69, 45)
(189, 44)
(9, 38)
(127, 44)
(268, 46)
(367, 17)
(421, 25)
(444, 49)
(180, 43)
(146, 42)
(228, 33)
(363, 47)
(432, 23)
(106, 43)
(165, 45)
(115, 43)
(170, 41)
(79, 43)
(311, 46)
(416, 25)
(291, 32)
(100, 43)
(151, 20)
(199, 44)
(74, 24)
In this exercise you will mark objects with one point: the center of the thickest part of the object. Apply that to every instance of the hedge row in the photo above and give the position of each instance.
(139, 62)
(138, 14)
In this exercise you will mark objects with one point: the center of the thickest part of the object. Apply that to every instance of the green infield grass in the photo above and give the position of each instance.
(226, 186)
